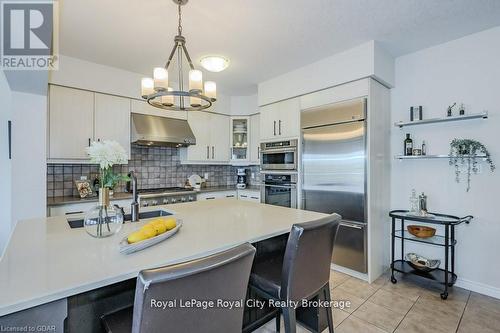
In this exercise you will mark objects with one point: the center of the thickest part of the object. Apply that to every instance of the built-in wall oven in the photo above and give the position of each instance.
(279, 190)
(278, 155)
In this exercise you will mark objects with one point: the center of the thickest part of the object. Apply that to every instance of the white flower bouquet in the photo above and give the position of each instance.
(106, 154)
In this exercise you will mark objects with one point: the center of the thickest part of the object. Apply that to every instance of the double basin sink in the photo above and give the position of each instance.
(78, 223)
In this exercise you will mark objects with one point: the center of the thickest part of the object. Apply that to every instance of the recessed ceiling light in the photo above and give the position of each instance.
(214, 63)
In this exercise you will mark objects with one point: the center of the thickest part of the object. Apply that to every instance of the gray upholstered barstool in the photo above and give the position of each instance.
(221, 276)
(304, 270)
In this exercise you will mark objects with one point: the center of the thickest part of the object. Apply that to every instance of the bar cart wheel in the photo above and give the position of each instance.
(393, 280)
(444, 295)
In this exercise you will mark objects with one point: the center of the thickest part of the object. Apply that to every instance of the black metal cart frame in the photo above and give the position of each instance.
(444, 276)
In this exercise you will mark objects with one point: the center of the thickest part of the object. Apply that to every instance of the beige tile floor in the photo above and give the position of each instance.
(412, 305)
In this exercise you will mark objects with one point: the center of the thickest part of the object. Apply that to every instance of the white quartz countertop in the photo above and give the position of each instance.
(46, 260)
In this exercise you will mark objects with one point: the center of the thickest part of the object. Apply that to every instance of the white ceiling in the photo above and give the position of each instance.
(262, 38)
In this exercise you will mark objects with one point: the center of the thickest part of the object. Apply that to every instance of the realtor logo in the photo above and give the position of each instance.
(29, 35)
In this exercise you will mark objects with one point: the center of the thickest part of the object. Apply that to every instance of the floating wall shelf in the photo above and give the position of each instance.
(424, 157)
(482, 115)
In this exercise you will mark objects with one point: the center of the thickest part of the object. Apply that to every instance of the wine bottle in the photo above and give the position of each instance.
(408, 145)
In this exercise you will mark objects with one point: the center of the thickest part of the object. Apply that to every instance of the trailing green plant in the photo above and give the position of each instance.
(467, 151)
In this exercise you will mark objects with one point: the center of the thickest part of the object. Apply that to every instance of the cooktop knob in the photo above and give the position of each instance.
(154, 202)
(174, 200)
(165, 201)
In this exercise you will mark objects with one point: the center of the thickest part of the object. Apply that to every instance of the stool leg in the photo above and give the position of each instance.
(278, 321)
(329, 316)
(290, 322)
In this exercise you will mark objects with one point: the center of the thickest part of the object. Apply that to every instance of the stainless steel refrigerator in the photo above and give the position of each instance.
(334, 174)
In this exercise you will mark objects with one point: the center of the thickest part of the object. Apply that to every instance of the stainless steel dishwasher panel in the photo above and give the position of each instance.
(350, 246)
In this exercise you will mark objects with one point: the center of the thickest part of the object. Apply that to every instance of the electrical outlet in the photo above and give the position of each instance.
(206, 175)
(253, 175)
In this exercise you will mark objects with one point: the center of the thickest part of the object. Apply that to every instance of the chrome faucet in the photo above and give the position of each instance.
(134, 207)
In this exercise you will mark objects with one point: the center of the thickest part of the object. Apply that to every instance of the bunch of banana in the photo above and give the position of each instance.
(151, 229)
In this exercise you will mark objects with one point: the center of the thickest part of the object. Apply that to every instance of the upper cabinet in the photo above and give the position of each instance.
(71, 123)
(239, 136)
(280, 120)
(211, 131)
(255, 139)
(78, 117)
(112, 119)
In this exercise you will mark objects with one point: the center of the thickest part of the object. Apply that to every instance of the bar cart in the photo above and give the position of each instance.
(445, 276)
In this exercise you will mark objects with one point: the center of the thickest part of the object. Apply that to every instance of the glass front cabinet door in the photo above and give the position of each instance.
(239, 139)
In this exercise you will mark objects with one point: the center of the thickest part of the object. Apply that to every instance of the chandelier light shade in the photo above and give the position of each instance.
(195, 96)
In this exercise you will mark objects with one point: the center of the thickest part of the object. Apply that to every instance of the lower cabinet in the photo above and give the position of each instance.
(249, 195)
(216, 195)
(75, 209)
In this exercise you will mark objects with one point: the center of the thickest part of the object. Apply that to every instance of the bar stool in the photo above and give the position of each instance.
(221, 276)
(302, 273)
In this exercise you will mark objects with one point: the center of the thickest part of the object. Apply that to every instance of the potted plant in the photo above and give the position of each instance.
(467, 151)
(104, 220)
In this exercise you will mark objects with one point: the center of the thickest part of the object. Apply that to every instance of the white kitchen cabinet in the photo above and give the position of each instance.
(76, 210)
(70, 123)
(255, 139)
(280, 120)
(77, 117)
(200, 125)
(112, 119)
(217, 195)
(249, 195)
(219, 126)
(211, 131)
(143, 107)
(239, 136)
(289, 118)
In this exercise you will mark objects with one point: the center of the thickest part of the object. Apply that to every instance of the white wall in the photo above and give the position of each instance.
(5, 163)
(29, 123)
(244, 105)
(465, 70)
(366, 60)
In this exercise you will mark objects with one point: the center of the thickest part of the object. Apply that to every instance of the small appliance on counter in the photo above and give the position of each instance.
(241, 182)
(194, 181)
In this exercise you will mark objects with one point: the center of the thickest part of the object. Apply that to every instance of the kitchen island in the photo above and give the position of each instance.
(46, 260)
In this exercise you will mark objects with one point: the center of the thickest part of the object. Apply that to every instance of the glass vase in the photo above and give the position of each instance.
(103, 220)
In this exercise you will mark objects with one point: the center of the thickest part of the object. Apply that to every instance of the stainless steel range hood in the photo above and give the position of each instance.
(150, 130)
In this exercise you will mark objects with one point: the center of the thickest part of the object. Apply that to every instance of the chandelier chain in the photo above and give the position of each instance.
(179, 28)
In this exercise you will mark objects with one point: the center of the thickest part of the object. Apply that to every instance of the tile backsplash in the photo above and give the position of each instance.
(154, 167)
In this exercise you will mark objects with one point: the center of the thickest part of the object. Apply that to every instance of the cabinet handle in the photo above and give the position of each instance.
(89, 142)
(256, 198)
(210, 198)
(274, 128)
(213, 152)
(9, 135)
(208, 152)
(258, 152)
(243, 196)
(279, 127)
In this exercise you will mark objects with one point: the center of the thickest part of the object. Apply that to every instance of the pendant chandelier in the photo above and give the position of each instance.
(157, 91)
